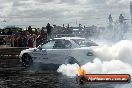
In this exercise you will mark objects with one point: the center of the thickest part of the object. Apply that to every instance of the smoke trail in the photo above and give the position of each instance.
(97, 67)
(120, 51)
(69, 69)
(110, 59)
(107, 67)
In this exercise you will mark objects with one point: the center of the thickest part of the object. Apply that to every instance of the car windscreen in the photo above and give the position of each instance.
(48, 45)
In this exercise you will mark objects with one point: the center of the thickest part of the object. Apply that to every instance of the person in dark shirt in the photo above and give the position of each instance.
(121, 19)
(9, 32)
(48, 27)
(110, 19)
(30, 30)
(3, 32)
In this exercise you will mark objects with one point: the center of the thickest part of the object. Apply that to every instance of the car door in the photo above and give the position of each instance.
(54, 52)
(60, 51)
(42, 53)
(39, 54)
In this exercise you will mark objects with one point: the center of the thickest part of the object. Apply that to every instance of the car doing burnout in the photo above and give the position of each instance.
(57, 51)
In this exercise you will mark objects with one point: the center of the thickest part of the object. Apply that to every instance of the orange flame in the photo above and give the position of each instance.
(81, 71)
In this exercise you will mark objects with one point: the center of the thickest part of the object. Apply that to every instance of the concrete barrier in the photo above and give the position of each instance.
(11, 52)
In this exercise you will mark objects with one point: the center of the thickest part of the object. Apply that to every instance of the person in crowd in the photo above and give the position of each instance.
(15, 41)
(9, 32)
(48, 27)
(30, 30)
(3, 32)
(19, 41)
(8, 40)
(30, 41)
(41, 38)
(2, 41)
(121, 19)
(36, 31)
(110, 19)
(16, 33)
(22, 41)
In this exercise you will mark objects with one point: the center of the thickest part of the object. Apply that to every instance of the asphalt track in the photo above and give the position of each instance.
(13, 75)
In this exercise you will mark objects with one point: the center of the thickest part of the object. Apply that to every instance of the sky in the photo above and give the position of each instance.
(73, 12)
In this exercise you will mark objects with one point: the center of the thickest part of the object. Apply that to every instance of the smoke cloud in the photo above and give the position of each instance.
(120, 51)
(115, 59)
(69, 70)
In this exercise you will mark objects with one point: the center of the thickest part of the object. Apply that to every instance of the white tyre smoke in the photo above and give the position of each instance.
(120, 51)
(115, 59)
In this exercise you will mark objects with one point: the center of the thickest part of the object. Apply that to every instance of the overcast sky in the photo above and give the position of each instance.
(38, 12)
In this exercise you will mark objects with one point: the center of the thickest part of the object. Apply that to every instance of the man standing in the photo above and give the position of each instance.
(110, 19)
(30, 30)
(48, 27)
(121, 19)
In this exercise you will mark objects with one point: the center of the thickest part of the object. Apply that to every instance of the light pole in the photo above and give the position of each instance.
(131, 10)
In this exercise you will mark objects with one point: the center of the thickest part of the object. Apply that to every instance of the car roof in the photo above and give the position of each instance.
(69, 38)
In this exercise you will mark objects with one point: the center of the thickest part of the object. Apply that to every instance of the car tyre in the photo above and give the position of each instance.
(27, 60)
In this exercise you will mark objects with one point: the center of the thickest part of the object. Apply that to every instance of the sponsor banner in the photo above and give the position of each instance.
(104, 78)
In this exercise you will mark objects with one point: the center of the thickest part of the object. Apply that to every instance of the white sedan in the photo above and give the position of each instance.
(58, 51)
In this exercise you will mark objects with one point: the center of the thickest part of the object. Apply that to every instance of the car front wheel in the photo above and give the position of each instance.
(26, 60)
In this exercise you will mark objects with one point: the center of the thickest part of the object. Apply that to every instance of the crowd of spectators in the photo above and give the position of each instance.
(17, 37)
(22, 38)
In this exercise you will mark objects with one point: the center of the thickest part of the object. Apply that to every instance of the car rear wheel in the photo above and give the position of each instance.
(71, 60)
(26, 60)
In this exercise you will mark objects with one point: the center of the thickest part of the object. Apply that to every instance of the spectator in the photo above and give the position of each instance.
(48, 27)
(9, 32)
(36, 31)
(15, 41)
(3, 32)
(22, 41)
(17, 33)
(8, 41)
(30, 41)
(2, 41)
(121, 19)
(42, 33)
(19, 39)
(30, 30)
(110, 19)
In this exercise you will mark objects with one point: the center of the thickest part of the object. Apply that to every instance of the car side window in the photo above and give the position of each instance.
(62, 44)
(68, 44)
(59, 45)
(48, 45)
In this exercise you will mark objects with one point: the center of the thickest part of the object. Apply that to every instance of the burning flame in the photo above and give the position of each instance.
(81, 71)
